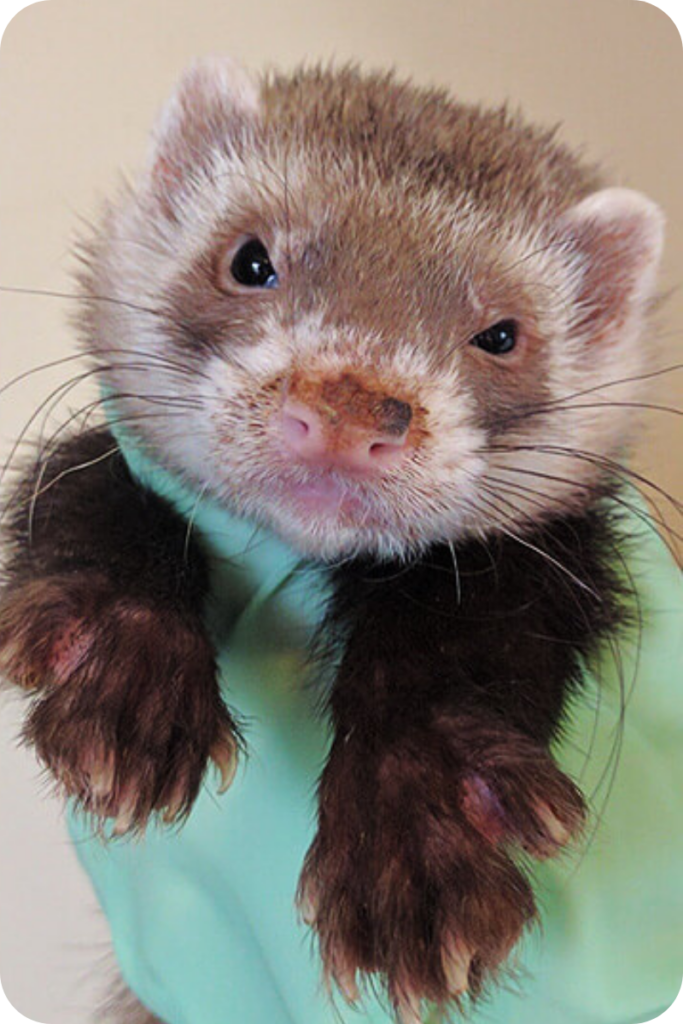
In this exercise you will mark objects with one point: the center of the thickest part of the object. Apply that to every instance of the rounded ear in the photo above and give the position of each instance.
(615, 239)
(214, 100)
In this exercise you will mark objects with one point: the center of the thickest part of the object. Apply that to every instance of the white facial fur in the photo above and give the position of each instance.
(584, 279)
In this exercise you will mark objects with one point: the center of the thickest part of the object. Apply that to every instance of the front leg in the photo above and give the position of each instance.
(412, 874)
(444, 704)
(101, 626)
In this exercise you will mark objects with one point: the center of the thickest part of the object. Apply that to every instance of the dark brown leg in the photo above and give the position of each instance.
(440, 784)
(101, 624)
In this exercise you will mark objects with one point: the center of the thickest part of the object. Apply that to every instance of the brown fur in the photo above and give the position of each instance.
(350, 406)
(410, 857)
(126, 714)
(401, 224)
(349, 397)
(440, 772)
(125, 708)
(454, 147)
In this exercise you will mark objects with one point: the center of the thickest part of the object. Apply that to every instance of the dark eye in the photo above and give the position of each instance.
(251, 266)
(497, 340)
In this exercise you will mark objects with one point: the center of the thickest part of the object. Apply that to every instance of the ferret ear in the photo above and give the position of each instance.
(615, 238)
(214, 101)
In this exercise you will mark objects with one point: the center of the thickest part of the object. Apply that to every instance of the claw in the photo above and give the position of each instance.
(553, 833)
(176, 804)
(558, 832)
(123, 823)
(308, 906)
(347, 984)
(408, 1009)
(125, 816)
(101, 771)
(224, 756)
(455, 961)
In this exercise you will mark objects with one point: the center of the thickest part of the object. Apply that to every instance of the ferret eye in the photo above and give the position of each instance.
(497, 340)
(251, 266)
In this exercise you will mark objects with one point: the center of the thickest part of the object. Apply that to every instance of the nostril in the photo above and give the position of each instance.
(334, 437)
(296, 429)
(300, 429)
(379, 448)
(389, 450)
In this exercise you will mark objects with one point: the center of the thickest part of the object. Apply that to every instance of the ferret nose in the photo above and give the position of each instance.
(332, 438)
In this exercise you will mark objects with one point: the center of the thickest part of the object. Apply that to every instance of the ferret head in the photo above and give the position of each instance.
(367, 316)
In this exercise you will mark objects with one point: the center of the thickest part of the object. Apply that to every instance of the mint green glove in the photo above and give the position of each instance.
(203, 918)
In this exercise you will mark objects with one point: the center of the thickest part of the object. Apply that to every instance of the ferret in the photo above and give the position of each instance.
(405, 334)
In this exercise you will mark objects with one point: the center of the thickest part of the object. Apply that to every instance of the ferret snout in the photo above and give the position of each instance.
(341, 423)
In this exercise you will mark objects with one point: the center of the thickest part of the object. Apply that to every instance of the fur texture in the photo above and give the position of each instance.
(440, 768)
(100, 623)
(496, 220)
(472, 575)
(450, 678)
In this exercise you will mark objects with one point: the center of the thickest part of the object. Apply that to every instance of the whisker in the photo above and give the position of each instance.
(56, 394)
(533, 495)
(625, 695)
(48, 447)
(610, 767)
(49, 293)
(456, 572)
(618, 469)
(38, 369)
(532, 547)
(191, 521)
(565, 406)
(145, 360)
(48, 405)
(40, 490)
(654, 520)
(593, 490)
(650, 375)
(114, 418)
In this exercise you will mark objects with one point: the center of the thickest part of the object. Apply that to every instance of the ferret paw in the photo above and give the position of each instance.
(411, 882)
(427, 914)
(126, 711)
(512, 791)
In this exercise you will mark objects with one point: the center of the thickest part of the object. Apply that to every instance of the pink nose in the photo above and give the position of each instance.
(324, 442)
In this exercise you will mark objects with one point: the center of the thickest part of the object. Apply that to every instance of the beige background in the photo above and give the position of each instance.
(79, 85)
